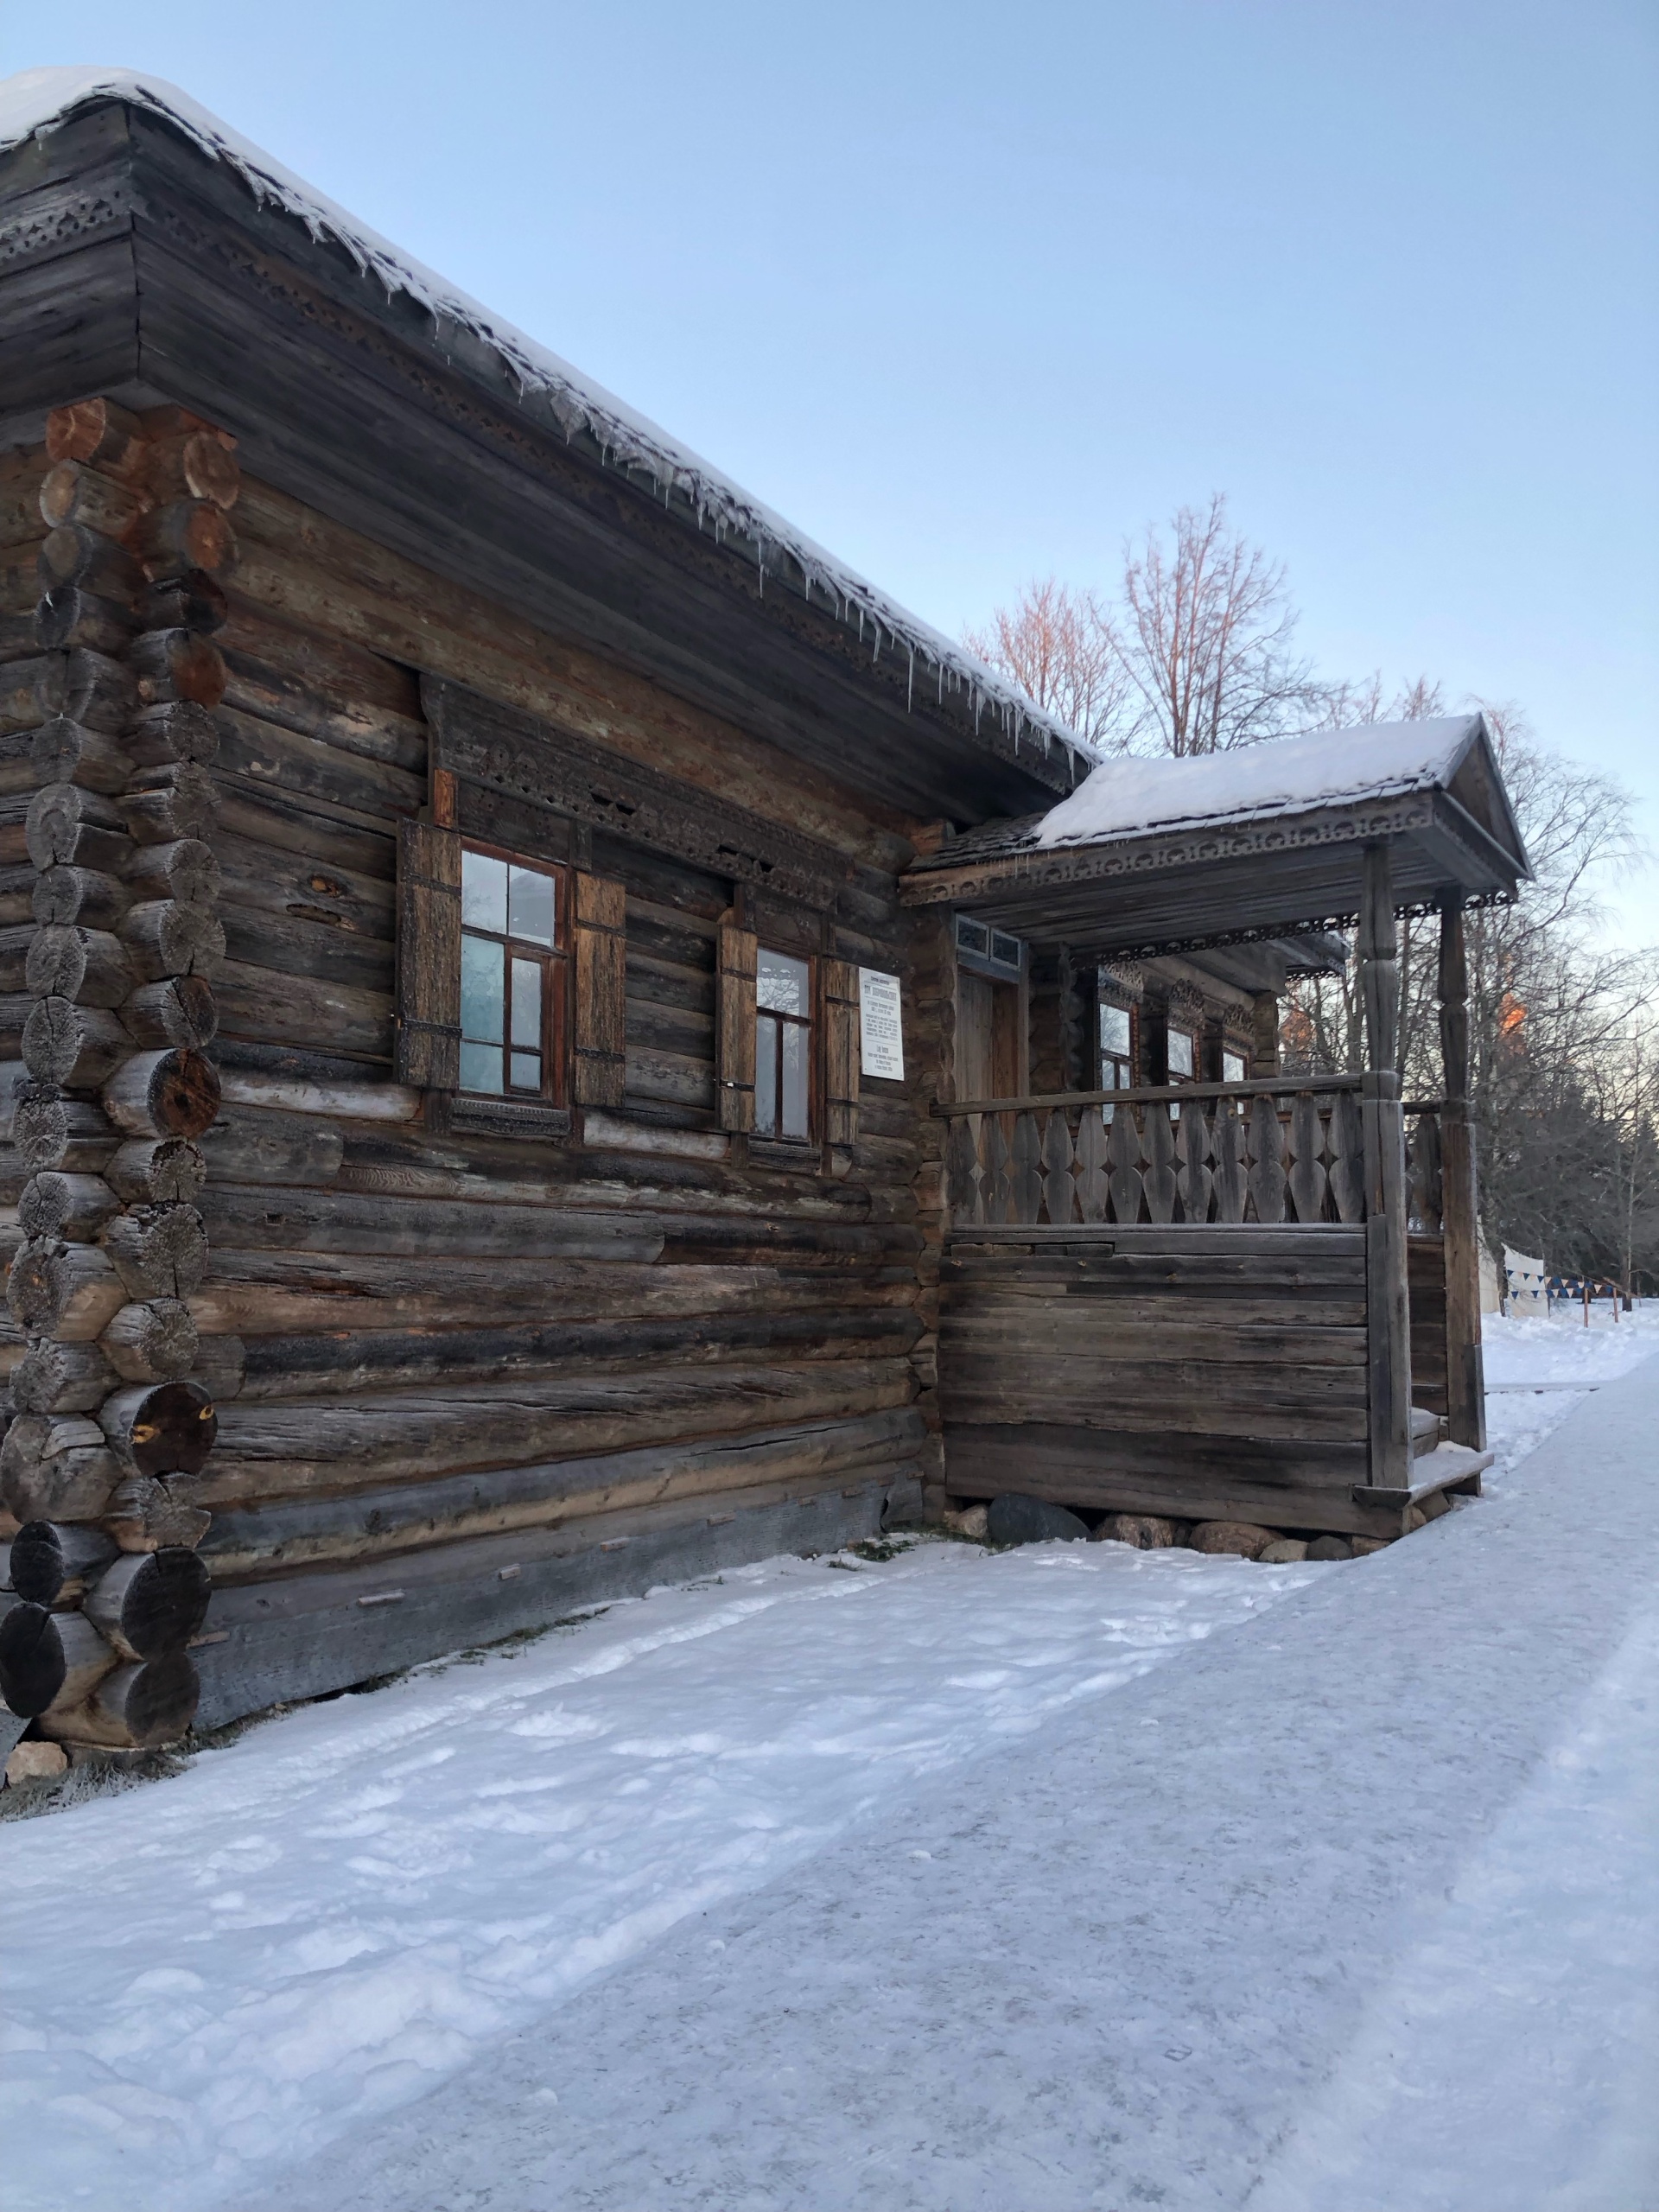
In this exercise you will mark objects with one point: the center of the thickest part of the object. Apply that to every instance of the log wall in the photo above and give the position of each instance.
(456, 1381)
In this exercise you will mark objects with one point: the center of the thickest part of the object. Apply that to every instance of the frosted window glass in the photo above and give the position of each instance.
(781, 982)
(482, 991)
(481, 1067)
(1180, 1052)
(795, 1060)
(483, 892)
(530, 906)
(527, 1004)
(1115, 1029)
(526, 1070)
(765, 1077)
(1232, 1067)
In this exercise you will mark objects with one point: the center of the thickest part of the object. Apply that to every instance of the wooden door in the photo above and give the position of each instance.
(988, 1057)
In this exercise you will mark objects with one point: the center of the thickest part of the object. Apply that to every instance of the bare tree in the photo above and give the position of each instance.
(1196, 656)
(1060, 647)
(1206, 637)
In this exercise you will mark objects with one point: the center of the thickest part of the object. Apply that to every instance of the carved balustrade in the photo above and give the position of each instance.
(1280, 1151)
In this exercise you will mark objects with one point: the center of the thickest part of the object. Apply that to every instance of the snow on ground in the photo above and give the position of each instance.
(1528, 1362)
(229, 1970)
(910, 1883)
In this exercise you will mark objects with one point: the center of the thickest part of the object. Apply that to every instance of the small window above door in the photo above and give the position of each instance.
(992, 951)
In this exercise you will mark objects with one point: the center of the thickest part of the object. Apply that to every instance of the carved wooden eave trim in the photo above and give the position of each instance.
(506, 750)
(61, 218)
(1056, 866)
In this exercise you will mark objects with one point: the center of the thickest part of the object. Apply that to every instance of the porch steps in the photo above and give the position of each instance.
(1456, 1467)
(1426, 1431)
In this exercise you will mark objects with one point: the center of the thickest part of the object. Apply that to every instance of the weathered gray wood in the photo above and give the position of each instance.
(52, 1561)
(76, 1046)
(53, 1377)
(152, 1340)
(69, 1291)
(153, 1170)
(49, 1661)
(1158, 1140)
(183, 1011)
(75, 1207)
(66, 896)
(1124, 1165)
(1385, 1178)
(1094, 1184)
(132, 1707)
(1227, 1139)
(266, 1450)
(1308, 1179)
(158, 1251)
(166, 936)
(1267, 1171)
(1060, 1191)
(315, 1530)
(1465, 1391)
(146, 1512)
(1025, 1169)
(88, 966)
(149, 1603)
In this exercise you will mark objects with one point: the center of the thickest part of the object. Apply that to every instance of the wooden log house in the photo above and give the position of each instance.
(546, 1049)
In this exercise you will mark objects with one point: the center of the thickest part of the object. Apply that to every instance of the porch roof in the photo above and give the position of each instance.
(1162, 855)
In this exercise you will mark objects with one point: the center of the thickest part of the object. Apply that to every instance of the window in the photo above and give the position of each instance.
(1116, 1047)
(514, 959)
(1181, 1057)
(783, 1045)
(1234, 1067)
(993, 950)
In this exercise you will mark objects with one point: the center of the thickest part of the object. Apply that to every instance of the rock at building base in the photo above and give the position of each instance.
(1283, 1551)
(970, 1522)
(1017, 1520)
(1363, 1547)
(1433, 1506)
(1146, 1531)
(1330, 1547)
(35, 1762)
(1243, 1538)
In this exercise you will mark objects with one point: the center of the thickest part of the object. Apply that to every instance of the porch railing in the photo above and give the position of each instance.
(1283, 1149)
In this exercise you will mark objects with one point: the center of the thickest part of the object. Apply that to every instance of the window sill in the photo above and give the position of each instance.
(498, 1117)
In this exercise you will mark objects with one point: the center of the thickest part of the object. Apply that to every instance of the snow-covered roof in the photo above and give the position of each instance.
(1289, 775)
(38, 100)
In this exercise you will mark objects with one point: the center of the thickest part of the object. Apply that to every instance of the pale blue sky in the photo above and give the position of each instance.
(971, 291)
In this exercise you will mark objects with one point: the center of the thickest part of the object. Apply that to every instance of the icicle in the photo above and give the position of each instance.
(910, 694)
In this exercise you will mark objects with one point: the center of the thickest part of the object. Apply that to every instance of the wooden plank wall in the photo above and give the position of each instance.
(421, 1345)
(1426, 1280)
(1196, 1373)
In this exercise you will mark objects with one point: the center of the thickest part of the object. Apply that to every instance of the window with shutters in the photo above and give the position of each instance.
(511, 1006)
(514, 977)
(783, 1045)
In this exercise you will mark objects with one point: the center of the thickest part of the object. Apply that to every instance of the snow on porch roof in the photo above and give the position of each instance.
(1290, 775)
(38, 100)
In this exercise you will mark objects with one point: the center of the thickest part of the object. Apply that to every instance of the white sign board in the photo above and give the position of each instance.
(882, 1048)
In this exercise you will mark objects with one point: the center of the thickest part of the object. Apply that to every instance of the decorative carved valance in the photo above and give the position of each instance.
(1123, 979)
(536, 761)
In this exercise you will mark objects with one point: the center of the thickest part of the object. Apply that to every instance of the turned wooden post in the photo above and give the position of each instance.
(1387, 1296)
(1464, 1380)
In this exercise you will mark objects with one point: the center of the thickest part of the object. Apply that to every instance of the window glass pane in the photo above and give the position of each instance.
(527, 1003)
(1113, 1073)
(765, 1077)
(1180, 1052)
(781, 982)
(483, 892)
(481, 1067)
(1232, 1067)
(482, 991)
(972, 937)
(795, 1060)
(526, 1070)
(1005, 948)
(530, 906)
(1115, 1029)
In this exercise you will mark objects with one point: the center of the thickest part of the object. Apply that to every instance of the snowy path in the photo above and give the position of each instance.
(211, 1980)
(898, 1887)
(1357, 1907)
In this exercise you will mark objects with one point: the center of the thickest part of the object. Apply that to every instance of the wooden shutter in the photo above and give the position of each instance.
(599, 950)
(734, 1022)
(429, 956)
(838, 993)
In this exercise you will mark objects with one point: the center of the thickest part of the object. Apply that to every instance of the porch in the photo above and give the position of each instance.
(1252, 1299)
